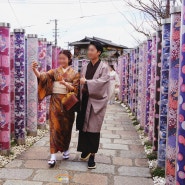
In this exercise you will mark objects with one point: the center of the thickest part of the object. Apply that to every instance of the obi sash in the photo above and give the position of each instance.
(59, 88)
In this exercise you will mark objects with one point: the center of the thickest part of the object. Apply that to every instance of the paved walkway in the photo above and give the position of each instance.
(120, 160)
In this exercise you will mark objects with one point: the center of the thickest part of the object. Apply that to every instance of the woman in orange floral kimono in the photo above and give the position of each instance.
(57, 83)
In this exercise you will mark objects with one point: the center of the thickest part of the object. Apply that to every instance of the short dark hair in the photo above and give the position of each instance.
(97, 45)
(68, 54)
(112, 67)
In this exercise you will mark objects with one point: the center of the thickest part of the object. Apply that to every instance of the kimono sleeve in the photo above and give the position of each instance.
(45, 84)
(76, 83)
(98, 88)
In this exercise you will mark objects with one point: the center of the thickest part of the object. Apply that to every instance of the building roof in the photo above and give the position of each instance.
(104, 42)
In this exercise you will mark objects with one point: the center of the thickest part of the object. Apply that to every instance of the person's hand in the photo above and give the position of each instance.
(34, 65)
(63, 82)
(82, 80)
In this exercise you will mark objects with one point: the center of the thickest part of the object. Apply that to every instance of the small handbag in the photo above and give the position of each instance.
(69, 101)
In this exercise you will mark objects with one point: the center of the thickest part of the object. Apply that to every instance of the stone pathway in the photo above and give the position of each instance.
(120, 160)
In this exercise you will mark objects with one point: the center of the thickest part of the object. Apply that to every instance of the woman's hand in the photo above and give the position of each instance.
(63, 82)
(34, 68)
(34, 65)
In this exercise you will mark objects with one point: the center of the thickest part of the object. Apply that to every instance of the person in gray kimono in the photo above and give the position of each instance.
(94, 82)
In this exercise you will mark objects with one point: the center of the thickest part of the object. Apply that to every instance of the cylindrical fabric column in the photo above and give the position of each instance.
(49, 66)
(173, 95)
(180, 177)
(19, 85)
(5, 77)
(157, 88)
(42, 49)
(152, 89)
(131, 90)
(136, 78)
(140, 70)
(25, 82)
(143, 90)
(120, 68)
(54, 57)
(12, 85)
(148, 80)
(164, 92)
(134, 82)
(32, 89)
(126, 78)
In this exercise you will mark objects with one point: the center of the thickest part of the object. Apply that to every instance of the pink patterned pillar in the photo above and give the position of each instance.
(5, 77)
(12, 85)
(42, 52)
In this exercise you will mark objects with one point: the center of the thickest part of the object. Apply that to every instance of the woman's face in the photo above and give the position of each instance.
(63, 60)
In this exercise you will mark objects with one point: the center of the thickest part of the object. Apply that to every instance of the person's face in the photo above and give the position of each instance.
(92, 52)
(63, 60)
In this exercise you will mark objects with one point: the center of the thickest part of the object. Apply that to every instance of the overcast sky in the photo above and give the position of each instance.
(76, 19)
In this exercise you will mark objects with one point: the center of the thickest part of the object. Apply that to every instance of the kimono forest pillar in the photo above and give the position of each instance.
(157, 88)
(173, 96)
(152, 89)
(180, 177)
(148, 81)
(143, 85)
(5, 109)
(32, 90)
(42, 52)
(164, 92)
(140, 65)
(54, 57)
(19, 47)
(12, 85)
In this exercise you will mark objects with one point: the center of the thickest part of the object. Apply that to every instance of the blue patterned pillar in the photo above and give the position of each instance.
(164, 92)
(19, 85)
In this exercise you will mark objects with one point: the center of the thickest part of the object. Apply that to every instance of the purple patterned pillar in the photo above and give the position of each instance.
(140, 70)
(148, 81)
(12, 85)
(42, 53)
(54, 57)
(157, 88)
(136, 78)
(49, 66)
(143, 85)
(19, 46)
(173, 95)
(180, 176)
(32, 90)
(152, 89)
(164, 92)
(5, 77)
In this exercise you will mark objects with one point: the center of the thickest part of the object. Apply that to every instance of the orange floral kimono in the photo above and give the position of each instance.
(61, 121)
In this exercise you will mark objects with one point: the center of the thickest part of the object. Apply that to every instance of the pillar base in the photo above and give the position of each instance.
(42, 127)
(31, 133)
(5, 152)
(20, 141)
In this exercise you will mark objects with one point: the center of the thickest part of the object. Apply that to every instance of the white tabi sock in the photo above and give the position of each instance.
(53, 157)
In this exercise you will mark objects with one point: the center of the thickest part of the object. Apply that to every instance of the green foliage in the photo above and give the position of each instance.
(160, 172)
(135, 123)
(152, 156)
(13, 143)
(148, 143)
